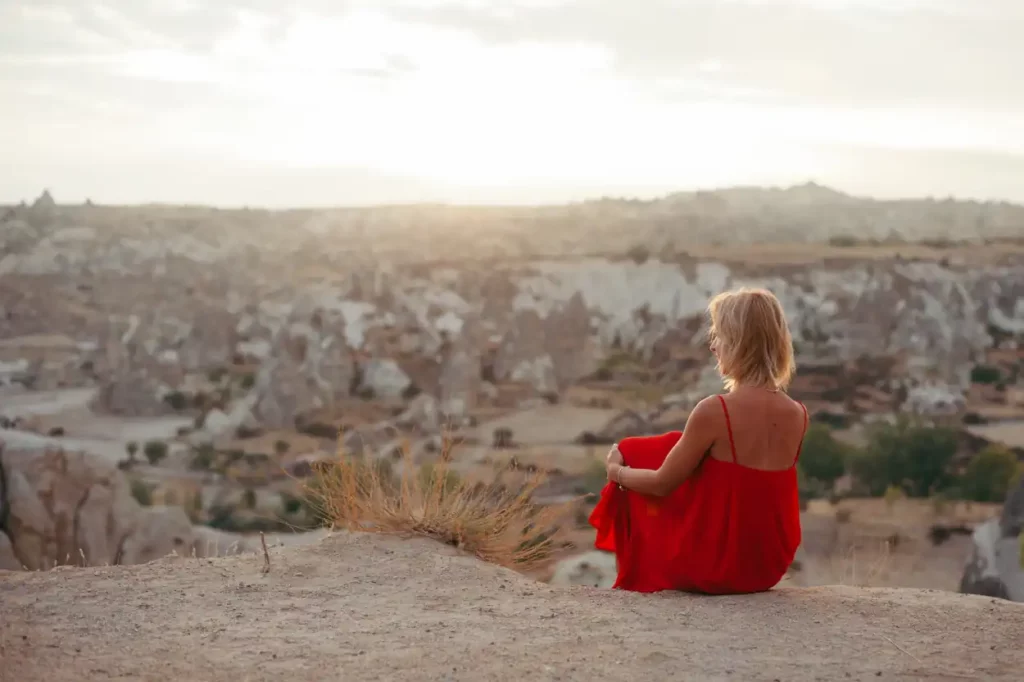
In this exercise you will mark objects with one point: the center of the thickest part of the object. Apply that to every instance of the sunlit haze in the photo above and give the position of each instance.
(321, 102)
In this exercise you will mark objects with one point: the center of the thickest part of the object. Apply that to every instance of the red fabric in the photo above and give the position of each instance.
(727, 529)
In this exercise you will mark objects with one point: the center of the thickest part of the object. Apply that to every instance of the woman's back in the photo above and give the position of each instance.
(766, 429)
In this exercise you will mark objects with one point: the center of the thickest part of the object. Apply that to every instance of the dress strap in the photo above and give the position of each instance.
(802, 435)
(728, 427)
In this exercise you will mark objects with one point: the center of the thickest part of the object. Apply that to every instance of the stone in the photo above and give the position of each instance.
(423, 414)
(1011, 522)
(591, 569)
(995, 566)
(384, 378)
(160, 531)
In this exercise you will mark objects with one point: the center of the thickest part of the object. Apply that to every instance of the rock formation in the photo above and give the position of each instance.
(59, 508)
(996, 565)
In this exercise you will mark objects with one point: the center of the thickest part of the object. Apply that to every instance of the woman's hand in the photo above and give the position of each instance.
(612, 462)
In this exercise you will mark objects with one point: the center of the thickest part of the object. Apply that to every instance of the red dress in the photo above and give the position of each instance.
(727, 529)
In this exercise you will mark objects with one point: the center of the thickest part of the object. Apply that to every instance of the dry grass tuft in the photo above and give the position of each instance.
(497, 521)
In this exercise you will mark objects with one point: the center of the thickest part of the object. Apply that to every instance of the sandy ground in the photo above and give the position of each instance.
(370, 608)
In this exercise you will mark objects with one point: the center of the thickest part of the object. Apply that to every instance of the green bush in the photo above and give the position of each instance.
(639, 254)
(141, 492)
(988, 475)
(177, 400)
(290, 504)
(808, 488)
(822, 457)
(204, 459)
(984, 374)
(913, 457)
(154, 451)
(843, 240)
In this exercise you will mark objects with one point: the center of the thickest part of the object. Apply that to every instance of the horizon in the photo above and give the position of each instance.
(511, 103)
(28, 201)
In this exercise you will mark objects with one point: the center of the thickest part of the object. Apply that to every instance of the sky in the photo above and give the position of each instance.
(341, 102)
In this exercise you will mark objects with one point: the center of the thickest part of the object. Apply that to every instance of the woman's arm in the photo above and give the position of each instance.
(682, 459)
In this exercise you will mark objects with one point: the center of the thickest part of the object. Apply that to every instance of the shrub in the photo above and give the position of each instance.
(808, 488)
(893, 494)
(248, 381)
(432, 475)
(843, 240)
(204, 459)
(911, 456)
(177, 400)
(319, 430)
(281, 447)
(984, 374)
(249, 498)
(141, 492)
(502, 438)
(594, 479)
(496, 522)
(639, 254)
(988, 475)
(290, 504)
(132, 449)
(822, 456)
(154, 451)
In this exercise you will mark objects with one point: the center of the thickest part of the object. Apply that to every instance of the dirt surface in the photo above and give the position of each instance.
(371, 608)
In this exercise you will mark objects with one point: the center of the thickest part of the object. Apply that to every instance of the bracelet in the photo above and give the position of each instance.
(618, 475)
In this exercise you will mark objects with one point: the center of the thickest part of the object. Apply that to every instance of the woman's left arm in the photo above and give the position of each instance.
(682, 459)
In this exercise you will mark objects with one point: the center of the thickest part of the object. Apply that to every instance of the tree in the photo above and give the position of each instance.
(912, 456)
(204, 458)
(281, 447)
(988, 475)
(822, 457)
(154, 451)
(132, 448)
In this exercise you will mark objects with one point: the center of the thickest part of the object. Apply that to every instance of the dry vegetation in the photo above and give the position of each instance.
(497, 521)
(879, 543)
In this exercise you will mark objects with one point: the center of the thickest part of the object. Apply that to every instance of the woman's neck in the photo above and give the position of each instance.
(755, 387)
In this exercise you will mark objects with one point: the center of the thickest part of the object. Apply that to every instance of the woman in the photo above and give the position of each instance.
(714, 509)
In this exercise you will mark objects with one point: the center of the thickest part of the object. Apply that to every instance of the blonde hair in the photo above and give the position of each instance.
(755, 346)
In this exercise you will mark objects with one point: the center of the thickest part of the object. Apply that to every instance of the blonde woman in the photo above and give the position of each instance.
(714, 509)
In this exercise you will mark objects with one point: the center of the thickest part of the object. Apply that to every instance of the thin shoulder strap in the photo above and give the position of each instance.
(804, 433)
(728, 426)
